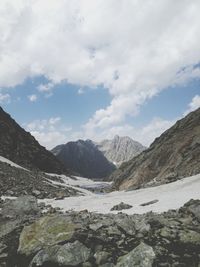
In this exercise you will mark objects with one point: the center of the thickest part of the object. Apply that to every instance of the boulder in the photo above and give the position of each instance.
(193, 207)
(121, 206)
(19, 207)
(142, 256)
(70, 254)
(73, 254)
(126, 224)
(149, 202)
(189, 237)
(101, 257)
(45, 232)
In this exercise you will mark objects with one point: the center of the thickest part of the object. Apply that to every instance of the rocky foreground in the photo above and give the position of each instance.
(36, 235)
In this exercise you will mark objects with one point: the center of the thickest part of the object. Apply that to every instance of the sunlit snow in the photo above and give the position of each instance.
(169, 196)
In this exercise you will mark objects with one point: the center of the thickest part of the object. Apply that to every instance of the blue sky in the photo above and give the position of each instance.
(66, 102)
(75, 108)
(94, 69)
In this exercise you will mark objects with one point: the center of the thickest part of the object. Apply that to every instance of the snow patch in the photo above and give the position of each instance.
(169, 196)
(78, 183)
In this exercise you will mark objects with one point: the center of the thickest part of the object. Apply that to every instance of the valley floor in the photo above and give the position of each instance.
(169, 196)
(89, 194)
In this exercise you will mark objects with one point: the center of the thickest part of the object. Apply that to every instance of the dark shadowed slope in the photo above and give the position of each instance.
(84, 158)
(21, 147)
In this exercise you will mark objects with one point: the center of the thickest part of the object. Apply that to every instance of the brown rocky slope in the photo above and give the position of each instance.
(174, 155)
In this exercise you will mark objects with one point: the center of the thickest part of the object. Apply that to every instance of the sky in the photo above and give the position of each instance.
(84, 69)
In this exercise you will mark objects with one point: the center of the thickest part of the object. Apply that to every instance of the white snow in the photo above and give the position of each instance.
(79, 183)
(169, 196)
(5, 160)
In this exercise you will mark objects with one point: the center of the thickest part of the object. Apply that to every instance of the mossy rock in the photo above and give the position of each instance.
(142, 256)
(47, 231)
(189, 237)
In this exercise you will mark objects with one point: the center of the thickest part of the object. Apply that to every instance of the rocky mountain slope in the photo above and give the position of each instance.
(175, 154)
(21, 147)
(16, 181)
(84, 158)
(34, 235)
(120, 149)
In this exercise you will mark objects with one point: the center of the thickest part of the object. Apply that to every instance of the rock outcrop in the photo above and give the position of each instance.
(21, 147)
(174, 155)
(120, 149)
(83, 158)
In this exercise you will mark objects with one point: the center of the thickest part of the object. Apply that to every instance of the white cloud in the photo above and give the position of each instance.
(49, 132)
(49, 139)
(194, 104)
(4, 98)
(133, 48)
(33, 98)
(144, 134)
(47, 89)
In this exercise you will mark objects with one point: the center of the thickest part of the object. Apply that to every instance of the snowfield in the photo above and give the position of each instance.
(169, 196)
(79, 183)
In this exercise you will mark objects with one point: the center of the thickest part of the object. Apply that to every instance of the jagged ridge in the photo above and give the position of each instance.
(120, 149)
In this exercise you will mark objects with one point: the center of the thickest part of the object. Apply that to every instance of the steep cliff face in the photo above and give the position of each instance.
(84, 158)
(175, 154)
(21, 147)
(120, 149)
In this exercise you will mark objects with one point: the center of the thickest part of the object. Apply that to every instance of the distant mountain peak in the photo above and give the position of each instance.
(120, 149)
(84, 158)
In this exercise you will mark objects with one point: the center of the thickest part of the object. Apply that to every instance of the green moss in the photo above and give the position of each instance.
(189, 237)
(47, 231)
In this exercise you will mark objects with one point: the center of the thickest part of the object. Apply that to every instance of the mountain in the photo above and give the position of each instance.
(84, 158)
(120, 149)
(16, 181)
(21, 147)
(175, 154)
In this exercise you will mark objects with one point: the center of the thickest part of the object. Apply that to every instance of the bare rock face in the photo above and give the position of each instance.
(21, 147)
(174, 155)
(120, 149)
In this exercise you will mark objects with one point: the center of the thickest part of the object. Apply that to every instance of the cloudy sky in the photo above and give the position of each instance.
(74, 69)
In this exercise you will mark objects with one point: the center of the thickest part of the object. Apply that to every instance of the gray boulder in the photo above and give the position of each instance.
(193, 207)
(24, 205)
(45, 232)
(121, 206)
(70, 254)
(142, 256)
